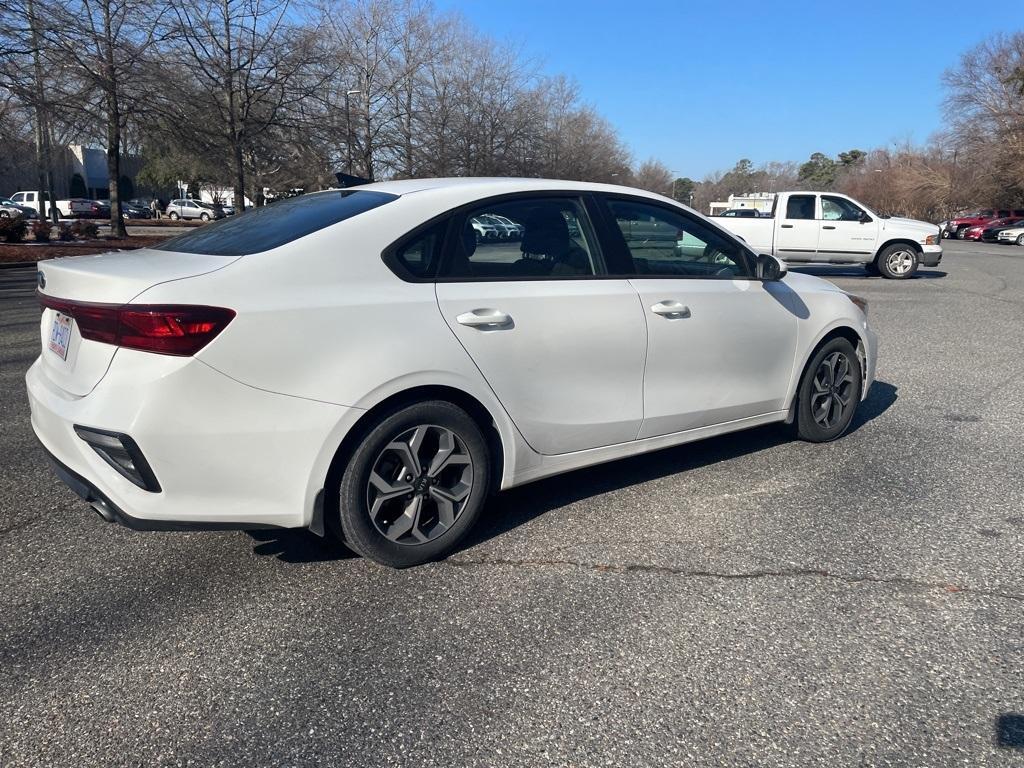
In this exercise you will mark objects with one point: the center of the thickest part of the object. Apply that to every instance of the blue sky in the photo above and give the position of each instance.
(701, 84)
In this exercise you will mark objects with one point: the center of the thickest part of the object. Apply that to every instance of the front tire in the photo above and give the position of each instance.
(897, 262)
(415, 485)
(1020, 239)
(204, 216)
(829, 392)
(172, 216)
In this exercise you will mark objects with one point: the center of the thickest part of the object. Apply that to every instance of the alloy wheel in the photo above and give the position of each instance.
(832, 390)
(900, 262)
(419, 484)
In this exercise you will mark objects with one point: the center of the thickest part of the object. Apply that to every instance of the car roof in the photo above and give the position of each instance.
(472, 188)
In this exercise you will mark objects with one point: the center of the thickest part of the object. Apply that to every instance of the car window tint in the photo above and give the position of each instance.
(276, 224)
(800, 207)
(544, 237)
(421, 254)
(839, 209)
(667, 243)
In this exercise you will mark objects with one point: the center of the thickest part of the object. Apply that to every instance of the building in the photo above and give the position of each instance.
(78, 171)
(761, 202)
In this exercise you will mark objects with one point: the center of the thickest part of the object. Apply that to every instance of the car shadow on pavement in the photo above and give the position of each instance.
(925, 273)
(1010, 730)
(298, 545)
(517, 506)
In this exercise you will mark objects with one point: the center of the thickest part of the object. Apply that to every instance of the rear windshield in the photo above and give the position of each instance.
(276, 224)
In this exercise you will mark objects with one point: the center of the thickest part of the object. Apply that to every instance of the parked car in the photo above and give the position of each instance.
(130, 210)
(10, 209)
(192, 209)
(745, 213)
(512, 230)
(958, 226)
(385, 394)
(484, 229)
(1011, 235)
(829, 228)
(66, 208)
(990, 233)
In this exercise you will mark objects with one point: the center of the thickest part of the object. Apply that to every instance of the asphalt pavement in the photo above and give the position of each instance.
(747, 600)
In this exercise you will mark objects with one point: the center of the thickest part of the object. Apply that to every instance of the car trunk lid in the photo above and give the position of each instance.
(77, 365)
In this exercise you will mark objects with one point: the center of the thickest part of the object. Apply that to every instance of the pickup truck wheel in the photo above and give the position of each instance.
(897, 262)
(829, 392)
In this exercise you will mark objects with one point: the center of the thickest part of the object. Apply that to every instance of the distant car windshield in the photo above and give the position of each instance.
(276, 224)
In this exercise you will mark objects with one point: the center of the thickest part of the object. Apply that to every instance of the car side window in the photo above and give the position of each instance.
(420, 256)
(800, 207)
(521, 238)
(667, 243)
(839, 209)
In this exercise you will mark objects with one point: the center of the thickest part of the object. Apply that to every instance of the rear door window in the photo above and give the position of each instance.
(800, 207)
(549, 238)
(277, 224)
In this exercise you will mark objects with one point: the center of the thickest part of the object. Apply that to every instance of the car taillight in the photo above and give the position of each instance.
(165, 329)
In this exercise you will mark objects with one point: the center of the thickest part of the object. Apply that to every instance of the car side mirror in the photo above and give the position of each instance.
(770, 268)
(863, 217)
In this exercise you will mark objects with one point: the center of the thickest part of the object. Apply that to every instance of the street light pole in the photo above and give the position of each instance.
(348, 130)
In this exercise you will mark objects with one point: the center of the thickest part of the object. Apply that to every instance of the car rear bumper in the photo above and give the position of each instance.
(227, 456)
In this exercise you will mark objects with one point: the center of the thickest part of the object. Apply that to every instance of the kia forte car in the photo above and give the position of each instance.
(358, 362)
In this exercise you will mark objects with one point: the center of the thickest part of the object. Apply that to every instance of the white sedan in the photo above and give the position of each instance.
(1011, 235)
(356, 361)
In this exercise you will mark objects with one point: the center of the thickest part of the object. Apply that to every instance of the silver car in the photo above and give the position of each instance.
(191, 209)
(10, 209)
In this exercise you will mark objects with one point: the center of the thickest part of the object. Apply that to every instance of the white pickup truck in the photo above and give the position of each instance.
(76, 206)
(829, 228)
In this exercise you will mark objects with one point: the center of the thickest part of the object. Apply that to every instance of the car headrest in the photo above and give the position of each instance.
(546, 233)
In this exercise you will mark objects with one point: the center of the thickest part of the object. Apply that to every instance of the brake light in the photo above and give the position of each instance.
(164, 329)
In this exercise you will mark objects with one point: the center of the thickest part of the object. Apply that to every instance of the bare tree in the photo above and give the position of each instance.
(245, 71)
(654, 176)
(985, 112)
(103, 44)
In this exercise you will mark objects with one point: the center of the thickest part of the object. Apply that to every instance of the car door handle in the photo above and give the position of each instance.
(671, 309)
(484, 318)
(827, 226)
(787, 226)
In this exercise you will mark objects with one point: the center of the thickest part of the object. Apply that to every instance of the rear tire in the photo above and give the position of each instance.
(897, 261)
(400, 515)
(829, 392)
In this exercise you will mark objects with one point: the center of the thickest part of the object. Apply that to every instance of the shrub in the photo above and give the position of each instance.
(13, 229)
(41, 230)
(64, 233)
(85, 230)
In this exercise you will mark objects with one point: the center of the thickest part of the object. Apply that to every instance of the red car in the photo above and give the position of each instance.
(958, 227)
(977, 232)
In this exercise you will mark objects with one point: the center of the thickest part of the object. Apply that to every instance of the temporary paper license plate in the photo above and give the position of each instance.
(60, 335)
